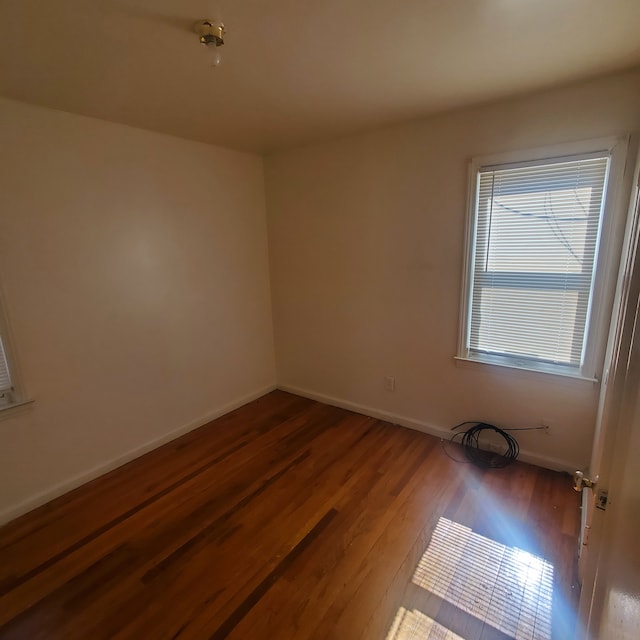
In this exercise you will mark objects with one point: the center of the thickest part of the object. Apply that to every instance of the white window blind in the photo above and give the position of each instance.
(534, 257)
(5, 377)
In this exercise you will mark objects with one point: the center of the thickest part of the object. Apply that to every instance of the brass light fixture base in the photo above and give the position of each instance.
(210, 33)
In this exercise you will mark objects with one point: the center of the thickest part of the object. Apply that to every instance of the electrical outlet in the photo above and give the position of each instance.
(389, 383)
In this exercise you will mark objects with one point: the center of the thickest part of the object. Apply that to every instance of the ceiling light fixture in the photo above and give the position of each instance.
(211, 34)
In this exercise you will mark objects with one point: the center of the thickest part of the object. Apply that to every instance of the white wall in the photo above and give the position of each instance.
(366, 245)
(135, 275)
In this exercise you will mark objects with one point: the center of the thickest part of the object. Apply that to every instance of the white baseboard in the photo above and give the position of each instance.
(72, 483)
(439, 432)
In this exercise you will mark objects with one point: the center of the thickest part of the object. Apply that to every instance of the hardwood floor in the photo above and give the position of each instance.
(285, 519)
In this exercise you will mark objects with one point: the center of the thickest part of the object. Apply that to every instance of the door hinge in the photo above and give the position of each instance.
(580, 482)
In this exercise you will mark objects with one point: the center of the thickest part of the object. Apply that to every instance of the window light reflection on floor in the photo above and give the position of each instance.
(505, 587)
(415, 625)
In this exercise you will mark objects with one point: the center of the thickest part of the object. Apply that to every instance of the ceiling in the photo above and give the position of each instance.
(296, 71)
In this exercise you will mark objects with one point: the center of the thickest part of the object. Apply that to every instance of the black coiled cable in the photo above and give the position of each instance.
(470, 441)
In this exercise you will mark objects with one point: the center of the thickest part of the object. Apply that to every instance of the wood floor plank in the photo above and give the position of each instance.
(29, 541)
(230, 556)
(298, 511)
(187, 505)
(390, 563)
(310, 588)
(283, 519)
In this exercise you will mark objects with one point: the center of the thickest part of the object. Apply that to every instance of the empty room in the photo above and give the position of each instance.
(319, 320)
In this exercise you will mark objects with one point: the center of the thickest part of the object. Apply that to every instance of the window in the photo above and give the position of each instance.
(9, 388)
(537, 235)
(5, 376)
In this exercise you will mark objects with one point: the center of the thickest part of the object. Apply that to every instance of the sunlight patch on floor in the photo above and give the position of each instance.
(415, 625)
(506, 587)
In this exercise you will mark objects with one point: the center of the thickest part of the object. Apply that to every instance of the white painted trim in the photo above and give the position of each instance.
(469, 258)
(72, 483)
(549, 152)
(11, 408)
(418, 425)
(524, 370)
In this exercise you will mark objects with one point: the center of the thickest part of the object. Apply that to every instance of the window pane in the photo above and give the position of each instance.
(543, 232)
(5, 378)
(504, 324)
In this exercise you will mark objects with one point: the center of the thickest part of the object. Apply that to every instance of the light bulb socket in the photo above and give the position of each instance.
(210, 33)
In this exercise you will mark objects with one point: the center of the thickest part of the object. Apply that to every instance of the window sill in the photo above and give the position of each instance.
(9, 409)
(525, 369)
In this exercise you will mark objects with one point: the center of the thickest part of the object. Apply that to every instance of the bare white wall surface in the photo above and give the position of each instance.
(135, 275)
(366, 243)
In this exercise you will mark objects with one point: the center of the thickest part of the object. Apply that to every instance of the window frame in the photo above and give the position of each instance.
(15, 396)
(606, 265)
